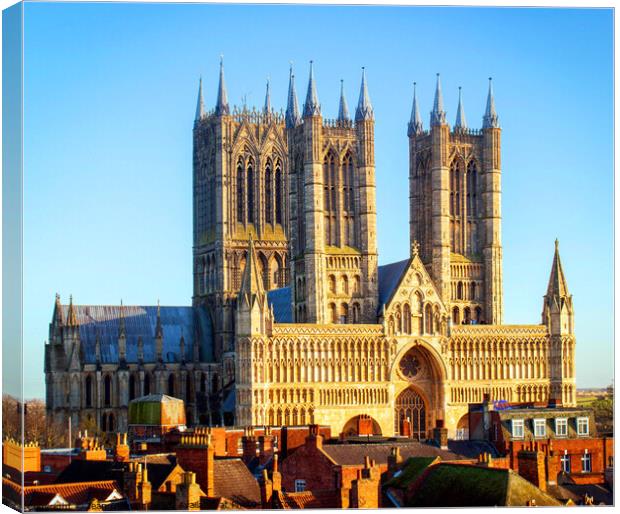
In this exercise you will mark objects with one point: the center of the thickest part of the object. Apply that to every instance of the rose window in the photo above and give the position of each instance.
(410, 366)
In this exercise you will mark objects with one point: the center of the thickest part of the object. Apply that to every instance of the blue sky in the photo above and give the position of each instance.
(110, 96)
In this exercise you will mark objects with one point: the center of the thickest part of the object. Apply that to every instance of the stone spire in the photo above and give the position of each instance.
(438, 115)
(71, 315)
(58, 317)
(159, 331)
(200, 106)
(415, 122)
(490, 119)
(312, 106)
(364, 107)
(461, 122)
(343, 109)
(121, 322)
(557, 287)
(292, 108)
(252, 281)
(221, 107)
(267, 107)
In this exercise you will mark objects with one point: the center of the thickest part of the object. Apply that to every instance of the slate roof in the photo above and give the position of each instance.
(194, 323)
(281, 301)
(353, 454)
(234, 481)
(389, 278)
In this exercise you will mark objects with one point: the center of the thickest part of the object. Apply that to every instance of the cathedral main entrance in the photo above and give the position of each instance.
(410, 415)
(417, 405)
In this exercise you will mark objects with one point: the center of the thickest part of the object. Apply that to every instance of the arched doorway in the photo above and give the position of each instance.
(419, 375)
(361, 425)
(410, 414)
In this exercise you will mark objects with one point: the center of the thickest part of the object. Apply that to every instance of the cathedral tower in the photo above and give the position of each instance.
(240, 191)
(333, 211)
(455, 208)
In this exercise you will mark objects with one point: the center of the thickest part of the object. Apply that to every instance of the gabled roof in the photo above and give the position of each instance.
(75, 493)
(389, 278)
(234, 481)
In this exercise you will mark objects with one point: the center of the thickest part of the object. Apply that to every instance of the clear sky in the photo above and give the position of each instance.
(110, 97)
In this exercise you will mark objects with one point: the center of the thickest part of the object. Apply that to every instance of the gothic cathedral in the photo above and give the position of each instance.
(292, 319)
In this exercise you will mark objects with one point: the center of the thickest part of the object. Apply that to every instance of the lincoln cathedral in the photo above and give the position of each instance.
(292, 320)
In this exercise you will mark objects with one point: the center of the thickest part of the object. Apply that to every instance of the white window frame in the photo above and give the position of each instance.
(517, 423)
(536, 423)
(561, 422)
(586, 457)
(565, 459)
(300, 485)
(587, 422)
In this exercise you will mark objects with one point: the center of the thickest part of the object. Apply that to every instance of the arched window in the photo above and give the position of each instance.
(356, 312)
(467, 316)
(472, 189)
(331, 281)
(478, 315)
(104, 422)
(356, 284)
(171, 384)
(456, 316)
(330, 198)
(349, 178)
(132, 387)
(147, 384)
(407, 319)
(332, 313)
(344, 313)
(472, 291)
(107, 391)
(89, 391)
(345, 284)
(459, 291)
(268, 193)
(278, 192)
(456, 178)
(111, 425)
(428, 318)
(240, 191)
(250, 173)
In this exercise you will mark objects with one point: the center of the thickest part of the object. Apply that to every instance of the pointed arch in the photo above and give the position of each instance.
(250, 190)
(279, 193)
(268, 203)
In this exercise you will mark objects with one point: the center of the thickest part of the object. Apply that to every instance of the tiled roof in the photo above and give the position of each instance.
(193, 323)
(353, 454)
(308, 500)
(234, 481)
(76, 493)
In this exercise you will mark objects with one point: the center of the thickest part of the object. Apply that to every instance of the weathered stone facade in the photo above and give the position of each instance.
(294, 322)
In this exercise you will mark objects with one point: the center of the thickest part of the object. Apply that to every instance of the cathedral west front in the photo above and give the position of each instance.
(292, 320)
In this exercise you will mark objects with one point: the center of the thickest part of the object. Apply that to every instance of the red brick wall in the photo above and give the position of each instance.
(600, 450)
(310, 464)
